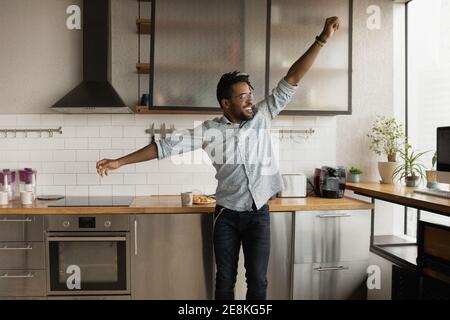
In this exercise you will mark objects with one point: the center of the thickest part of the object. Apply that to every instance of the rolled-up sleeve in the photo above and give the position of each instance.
(278, 100)
(180, 141)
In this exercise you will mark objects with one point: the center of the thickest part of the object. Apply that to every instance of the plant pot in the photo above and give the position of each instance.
(412, 181)
(354, 178)
(386, 169)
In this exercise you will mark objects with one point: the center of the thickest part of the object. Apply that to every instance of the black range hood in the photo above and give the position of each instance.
(95, 94)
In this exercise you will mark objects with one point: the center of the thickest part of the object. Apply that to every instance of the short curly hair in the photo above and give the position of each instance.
(226, 82)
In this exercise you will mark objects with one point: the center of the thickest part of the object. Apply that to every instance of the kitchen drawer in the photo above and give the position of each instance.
(21, 228)
(326, 236)
(330, 281)
(22, 283)
(22, 255)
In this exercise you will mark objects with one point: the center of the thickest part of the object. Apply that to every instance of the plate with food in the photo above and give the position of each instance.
(202, 199)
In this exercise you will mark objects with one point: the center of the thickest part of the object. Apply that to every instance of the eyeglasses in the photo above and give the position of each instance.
(245, 96)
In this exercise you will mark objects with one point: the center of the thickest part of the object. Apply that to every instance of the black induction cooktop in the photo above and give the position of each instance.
(92, 202)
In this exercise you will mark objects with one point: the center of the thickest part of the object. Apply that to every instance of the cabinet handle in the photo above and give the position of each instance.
(135, 237)
(331, 268)
(16, 220)
(25, 276)
(335, 215)
(4, 248)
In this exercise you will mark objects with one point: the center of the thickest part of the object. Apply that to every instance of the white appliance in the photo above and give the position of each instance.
(294, 185)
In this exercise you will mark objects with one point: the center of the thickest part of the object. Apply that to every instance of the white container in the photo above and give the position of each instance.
(294, 186)
(4, 198)
(187, 198)
(26, 197)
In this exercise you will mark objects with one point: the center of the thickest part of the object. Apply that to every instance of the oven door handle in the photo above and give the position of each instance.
(84, 239)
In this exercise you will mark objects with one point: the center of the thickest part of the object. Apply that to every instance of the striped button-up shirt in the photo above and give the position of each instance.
(242, 153)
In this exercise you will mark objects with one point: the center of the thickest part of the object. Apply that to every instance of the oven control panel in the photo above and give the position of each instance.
(87, 223)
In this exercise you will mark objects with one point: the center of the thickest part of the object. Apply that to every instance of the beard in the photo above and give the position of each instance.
(242, 113)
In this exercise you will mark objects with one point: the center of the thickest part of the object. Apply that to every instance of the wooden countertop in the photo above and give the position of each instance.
(172, 204)
(402, 195)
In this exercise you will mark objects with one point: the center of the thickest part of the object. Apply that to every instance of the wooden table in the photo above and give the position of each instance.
(403, 253)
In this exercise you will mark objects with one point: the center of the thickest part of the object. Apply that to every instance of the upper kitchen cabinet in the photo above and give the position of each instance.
(326, 88)
(197, 41)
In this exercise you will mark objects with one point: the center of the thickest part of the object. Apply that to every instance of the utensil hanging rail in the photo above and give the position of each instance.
(26, 131)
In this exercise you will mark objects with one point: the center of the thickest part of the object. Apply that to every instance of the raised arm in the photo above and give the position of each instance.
(304, 63)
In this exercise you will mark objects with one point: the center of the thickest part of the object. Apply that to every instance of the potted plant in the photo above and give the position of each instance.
(387, 138)
(355, 174)
(431, 174)
(412, 170)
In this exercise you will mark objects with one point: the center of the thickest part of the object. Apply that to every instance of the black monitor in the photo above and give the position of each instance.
(443, 154)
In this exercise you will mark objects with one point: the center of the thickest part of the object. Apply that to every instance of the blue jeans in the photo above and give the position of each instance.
(252, 229)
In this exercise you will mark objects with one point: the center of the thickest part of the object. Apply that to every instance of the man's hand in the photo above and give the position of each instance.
(331, 25)
(105, 165)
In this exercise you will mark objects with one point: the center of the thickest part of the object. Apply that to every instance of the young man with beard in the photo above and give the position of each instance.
(239, 145)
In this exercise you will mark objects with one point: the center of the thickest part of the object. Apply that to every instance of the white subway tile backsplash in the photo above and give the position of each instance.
(53, 120)
(122, 143)
(64, 155)
(76, 143)
(88, 132)
(44, 179)
(112, 178)
(60, 190)
(111, 132)
(76, 167)
(50, 144)
(146, 190)
(142, 142)
(99, 143)
(147, 166)
(169, 190)
(134, 178)
(29, 120)
(66, 163)
(135, 132)
(158, 178)
(88, 178)
(64, 179)
(41, 155)
(100, 191)
(14, 155)
(75, 120)
(119, 190)
(79, 191)
(8, 120)
(96, 120)
(123, 120)
(52, 167)
(88, 155)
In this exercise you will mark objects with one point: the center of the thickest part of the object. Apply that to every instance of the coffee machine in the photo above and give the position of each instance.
(329, 182)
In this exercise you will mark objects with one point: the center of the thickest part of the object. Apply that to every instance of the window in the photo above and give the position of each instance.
(428, 106)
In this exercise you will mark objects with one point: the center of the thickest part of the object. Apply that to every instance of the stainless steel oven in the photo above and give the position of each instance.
(88, 255)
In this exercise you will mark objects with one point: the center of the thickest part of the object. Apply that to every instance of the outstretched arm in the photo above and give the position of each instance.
(304, 63)
(149, 152)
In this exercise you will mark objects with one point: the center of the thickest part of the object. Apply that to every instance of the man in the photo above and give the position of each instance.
(239, 146)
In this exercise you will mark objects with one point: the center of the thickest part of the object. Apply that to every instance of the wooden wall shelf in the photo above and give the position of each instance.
(143, 68)
(143, 25)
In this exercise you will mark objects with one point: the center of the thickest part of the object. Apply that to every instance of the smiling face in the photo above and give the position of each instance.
(239, 107)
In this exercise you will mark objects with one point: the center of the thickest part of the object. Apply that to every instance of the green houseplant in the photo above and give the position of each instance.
(386, 138)
(412, 170)
(355, 174)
